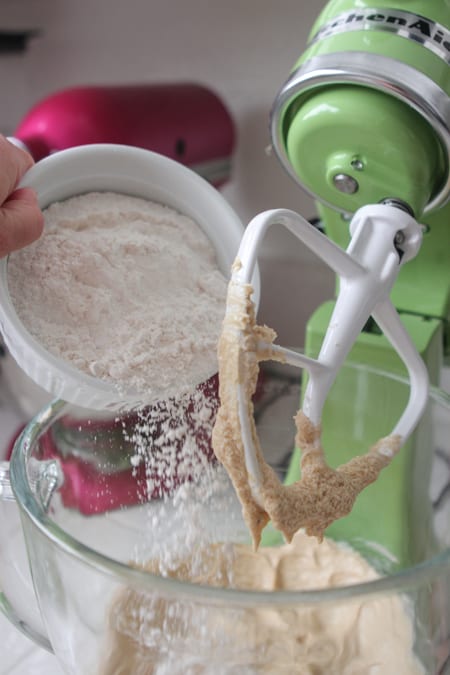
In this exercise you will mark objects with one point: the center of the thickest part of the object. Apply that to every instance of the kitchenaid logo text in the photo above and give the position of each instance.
(430, 34)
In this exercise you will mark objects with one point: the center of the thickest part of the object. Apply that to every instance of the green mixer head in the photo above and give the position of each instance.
(365, 146)
(365, 113)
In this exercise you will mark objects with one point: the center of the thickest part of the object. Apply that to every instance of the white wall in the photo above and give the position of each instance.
(243, 49)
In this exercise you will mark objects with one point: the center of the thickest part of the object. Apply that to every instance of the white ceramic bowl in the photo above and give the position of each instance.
(131, 171)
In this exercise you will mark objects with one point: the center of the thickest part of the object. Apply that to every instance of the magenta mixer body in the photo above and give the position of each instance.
(186, 122)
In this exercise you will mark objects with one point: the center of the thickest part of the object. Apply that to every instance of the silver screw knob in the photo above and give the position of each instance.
(345, 183)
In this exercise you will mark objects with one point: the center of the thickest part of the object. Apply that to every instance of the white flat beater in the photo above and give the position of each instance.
(383, 238)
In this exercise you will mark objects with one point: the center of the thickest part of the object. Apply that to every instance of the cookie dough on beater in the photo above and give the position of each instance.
(323, 494)
(367, 270)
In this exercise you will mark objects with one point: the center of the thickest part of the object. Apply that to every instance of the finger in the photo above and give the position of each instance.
(14, 162)
(21, 221)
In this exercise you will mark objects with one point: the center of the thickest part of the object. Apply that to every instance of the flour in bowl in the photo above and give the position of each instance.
(124, 289)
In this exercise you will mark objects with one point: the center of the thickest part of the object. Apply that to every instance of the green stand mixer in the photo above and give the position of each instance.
(363, 125)
(365, 118)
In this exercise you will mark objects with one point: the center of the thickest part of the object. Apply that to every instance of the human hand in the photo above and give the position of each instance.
(21, 220)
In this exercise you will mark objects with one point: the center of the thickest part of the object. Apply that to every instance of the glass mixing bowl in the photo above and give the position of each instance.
(89, 518)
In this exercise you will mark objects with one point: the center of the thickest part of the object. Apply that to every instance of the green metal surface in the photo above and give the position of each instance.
(381, 143)
(375, 42)
(332, 124)
(435, 10)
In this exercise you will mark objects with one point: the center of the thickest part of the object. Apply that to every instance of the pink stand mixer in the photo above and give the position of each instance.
(186, 122)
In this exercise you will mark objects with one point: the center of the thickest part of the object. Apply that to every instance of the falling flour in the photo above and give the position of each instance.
(124, 289)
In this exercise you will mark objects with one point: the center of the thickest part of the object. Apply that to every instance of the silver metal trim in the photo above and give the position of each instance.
(215, 170)
(430, 34)
(6, 492)
(17, 142)
(378, 72)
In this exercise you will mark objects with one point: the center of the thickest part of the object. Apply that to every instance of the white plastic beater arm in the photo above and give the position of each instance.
(372, 245)
(324, 248)
(382, 239)
(294, 358)
(389, 321)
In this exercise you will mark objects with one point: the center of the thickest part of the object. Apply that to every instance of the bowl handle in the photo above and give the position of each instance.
(18, 600)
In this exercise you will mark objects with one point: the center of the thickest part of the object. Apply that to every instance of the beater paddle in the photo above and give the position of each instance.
(383, 238)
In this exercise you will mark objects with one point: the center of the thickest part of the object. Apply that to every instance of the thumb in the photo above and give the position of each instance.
(14, 162)
(21, 221)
